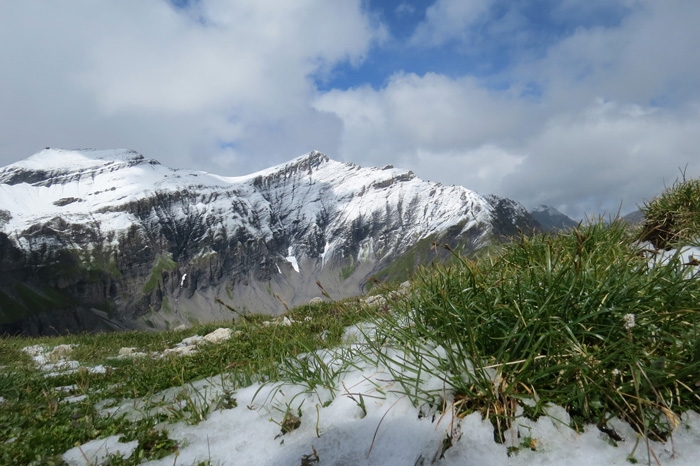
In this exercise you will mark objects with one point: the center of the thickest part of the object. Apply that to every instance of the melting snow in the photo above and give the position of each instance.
(98, 450)
(394, 432)
(368, 421)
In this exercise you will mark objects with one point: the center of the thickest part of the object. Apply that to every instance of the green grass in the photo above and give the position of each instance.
(10, 309)
(580, 319)
(37, 424)
(163, 263)
(347, 271)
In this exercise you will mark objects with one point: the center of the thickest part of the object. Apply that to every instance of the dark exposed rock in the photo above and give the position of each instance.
(67, 200)
(551, 219)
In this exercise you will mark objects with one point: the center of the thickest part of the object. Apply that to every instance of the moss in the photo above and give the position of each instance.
(24, 301)
(56, 297)
(402, 268)
(164, 262)
(347, 271)
(31, 298)
(165, 306)
(431, 250)
(192, 320)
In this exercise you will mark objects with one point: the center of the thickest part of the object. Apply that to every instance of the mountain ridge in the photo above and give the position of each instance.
(552, 219)
(135, 243)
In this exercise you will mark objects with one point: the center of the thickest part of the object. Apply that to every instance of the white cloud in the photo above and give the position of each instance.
(650, 57)
(416, 112)
(256, 55)
(617, 117)
(448, 20)
(136, 71)
(590, 160)
(231, 87)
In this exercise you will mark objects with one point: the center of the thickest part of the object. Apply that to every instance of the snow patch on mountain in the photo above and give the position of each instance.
(292, 260)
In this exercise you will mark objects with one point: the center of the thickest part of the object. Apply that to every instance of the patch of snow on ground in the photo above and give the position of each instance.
(96, 451)
(338, 431)
(367, 420)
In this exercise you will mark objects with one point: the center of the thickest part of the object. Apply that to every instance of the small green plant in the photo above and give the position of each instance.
(359, 401)
(152, 443)
(317, 369)
(311, 458)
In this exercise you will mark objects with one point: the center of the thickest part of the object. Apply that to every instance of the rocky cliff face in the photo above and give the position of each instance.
(92, 240)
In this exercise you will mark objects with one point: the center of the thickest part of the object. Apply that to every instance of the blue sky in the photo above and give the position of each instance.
(483, 47)
(586, 105)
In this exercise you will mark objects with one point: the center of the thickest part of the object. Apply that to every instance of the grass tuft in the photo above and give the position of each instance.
(674, 216)
(580, 320)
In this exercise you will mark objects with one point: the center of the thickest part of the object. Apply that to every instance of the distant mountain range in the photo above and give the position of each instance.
(551, 219)
(93, 240)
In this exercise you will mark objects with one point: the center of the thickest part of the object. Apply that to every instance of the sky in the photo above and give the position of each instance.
(590, 106)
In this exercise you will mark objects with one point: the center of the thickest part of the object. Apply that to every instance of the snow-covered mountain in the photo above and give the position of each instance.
(103, 238)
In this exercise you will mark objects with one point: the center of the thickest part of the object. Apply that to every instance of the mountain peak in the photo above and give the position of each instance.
(551, 219)
(311, 160)
(52, 163)
(306, 163)
(55, 158)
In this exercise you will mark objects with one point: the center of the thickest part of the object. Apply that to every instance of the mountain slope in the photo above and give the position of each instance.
(101, 239)
(551, 219)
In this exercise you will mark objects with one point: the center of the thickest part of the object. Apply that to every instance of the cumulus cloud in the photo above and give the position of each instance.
(605, 157)
(448, 20)
(206, 76)
(600, 104)
(649, 58)
(613, 117)
(413, 113)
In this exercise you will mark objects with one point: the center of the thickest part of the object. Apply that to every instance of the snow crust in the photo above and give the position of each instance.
(98, 450)
(70, 160)
(366, 420)
(391, 431)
